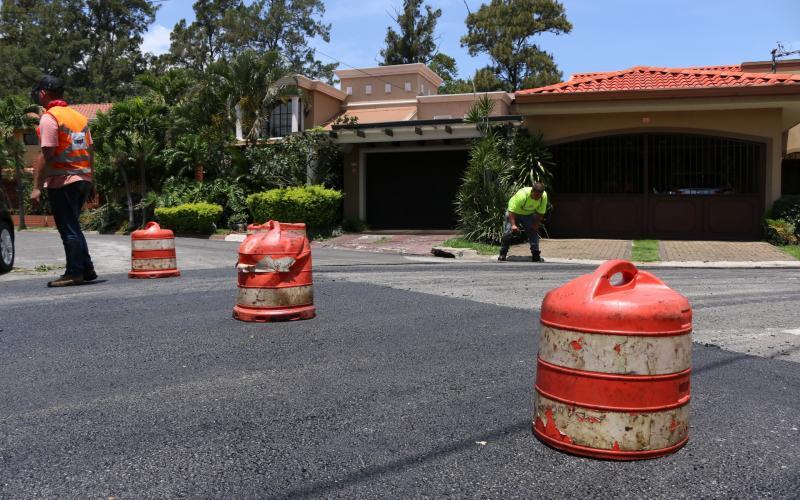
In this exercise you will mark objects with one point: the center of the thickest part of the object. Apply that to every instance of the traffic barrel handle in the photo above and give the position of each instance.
(631, 277)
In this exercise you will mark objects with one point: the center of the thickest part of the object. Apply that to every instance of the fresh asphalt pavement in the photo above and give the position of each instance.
(414, 380)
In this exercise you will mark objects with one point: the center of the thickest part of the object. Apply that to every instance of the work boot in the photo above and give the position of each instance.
(66, 280)
(501, 257)
(536, 257)
(89, 274)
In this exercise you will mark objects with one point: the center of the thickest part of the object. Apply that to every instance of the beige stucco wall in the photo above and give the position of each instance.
(459, 108)
(759, 124)
(378, 91)
(323, 109)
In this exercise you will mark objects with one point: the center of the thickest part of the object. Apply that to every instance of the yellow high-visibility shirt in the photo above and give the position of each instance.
(522, 203)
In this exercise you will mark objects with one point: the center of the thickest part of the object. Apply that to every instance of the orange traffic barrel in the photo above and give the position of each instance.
(274, 274)
(153, 253)
(614, 366)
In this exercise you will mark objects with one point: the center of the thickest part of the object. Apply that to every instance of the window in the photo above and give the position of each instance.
(387, 87)
(407, 86)
(281, 120)
(422, 90)
(349, 90)
(368, 89)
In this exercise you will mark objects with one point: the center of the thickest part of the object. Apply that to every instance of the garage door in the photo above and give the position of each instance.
(665, 186)
(413, 190)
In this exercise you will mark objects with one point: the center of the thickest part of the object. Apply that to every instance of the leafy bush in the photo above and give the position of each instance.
(224, 192)
(105, 219)
(317, 206)
(482, 197)
(788, 208)
(780, 232)
(288, 162)
(190, 217)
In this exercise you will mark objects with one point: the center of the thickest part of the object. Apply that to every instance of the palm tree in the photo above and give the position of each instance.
(252, 83)
(187, 155)
(16, 114)
(132, 134)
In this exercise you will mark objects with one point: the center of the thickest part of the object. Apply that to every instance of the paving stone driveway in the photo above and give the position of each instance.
(715, 251)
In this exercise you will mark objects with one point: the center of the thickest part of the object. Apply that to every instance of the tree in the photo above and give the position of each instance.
(131, 135)
(504, 30)
(114, 31)
(484, 80)
(92, 44)
(416, 42)
(40, 37)
(16, 116)
(224, 29)
(251, 84)
(211, 36)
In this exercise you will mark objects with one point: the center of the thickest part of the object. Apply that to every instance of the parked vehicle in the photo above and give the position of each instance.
(6, 235)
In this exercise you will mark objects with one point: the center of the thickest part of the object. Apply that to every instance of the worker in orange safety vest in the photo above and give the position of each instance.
(64, 167)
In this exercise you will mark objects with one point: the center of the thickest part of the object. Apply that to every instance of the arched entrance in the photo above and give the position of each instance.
(658, 185)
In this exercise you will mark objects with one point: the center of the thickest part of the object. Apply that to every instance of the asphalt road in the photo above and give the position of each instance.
(145, 389)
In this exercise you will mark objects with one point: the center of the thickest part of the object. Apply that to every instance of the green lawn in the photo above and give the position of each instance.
(793, 250)
(482, 248)
(645, 251)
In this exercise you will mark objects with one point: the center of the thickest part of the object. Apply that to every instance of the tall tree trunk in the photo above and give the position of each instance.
(20, 191)
(127, 186)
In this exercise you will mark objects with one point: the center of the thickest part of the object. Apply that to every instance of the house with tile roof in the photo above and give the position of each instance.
(669, 153)
(405, 145)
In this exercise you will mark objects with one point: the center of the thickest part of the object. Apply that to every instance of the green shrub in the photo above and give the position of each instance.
(317, 207)
(788, 208)
(229, 194)
(190, 217)
(780, 232)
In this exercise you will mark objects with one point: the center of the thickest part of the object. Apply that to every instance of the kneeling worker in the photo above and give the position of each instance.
(526, 208)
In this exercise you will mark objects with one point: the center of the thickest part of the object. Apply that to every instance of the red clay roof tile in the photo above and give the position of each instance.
(650, 78)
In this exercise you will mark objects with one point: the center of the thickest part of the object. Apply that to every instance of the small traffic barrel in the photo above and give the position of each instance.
(274, 274)
(153, 253)
(614, 366)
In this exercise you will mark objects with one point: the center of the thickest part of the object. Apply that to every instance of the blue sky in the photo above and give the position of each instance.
(606, 35)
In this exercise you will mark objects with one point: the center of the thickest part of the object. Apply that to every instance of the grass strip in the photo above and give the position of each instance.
(793, 250)
(482, 248)
(645, 251)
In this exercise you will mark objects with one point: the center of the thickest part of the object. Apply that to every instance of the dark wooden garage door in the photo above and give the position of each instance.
(413, 190)
(665, 186)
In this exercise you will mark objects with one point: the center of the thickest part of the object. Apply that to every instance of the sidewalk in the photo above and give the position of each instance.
(584, 251)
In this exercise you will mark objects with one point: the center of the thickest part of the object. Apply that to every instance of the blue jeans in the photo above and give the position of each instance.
(66, 204)
(526, 222)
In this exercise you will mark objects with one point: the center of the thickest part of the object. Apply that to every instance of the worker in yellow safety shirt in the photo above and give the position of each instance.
(526, 210)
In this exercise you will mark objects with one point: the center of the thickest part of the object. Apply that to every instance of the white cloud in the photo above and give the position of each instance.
(156, 40)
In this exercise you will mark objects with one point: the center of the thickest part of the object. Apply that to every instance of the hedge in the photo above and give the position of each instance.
(190, 217)
(319, 208)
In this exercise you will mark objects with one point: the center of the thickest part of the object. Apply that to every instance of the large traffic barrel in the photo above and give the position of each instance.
(614, 365)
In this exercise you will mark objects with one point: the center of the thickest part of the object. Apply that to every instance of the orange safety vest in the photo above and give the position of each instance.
(72, 153)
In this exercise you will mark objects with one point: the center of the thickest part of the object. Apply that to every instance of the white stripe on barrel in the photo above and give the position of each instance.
(619, 354)
(276, 297)
(153, 264)
(609, 430)
(143, 245)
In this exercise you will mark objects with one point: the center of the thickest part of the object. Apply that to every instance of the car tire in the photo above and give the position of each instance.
(6, 247)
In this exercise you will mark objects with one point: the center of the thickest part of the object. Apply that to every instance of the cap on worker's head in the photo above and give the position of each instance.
(538, 187)
(51, 83)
